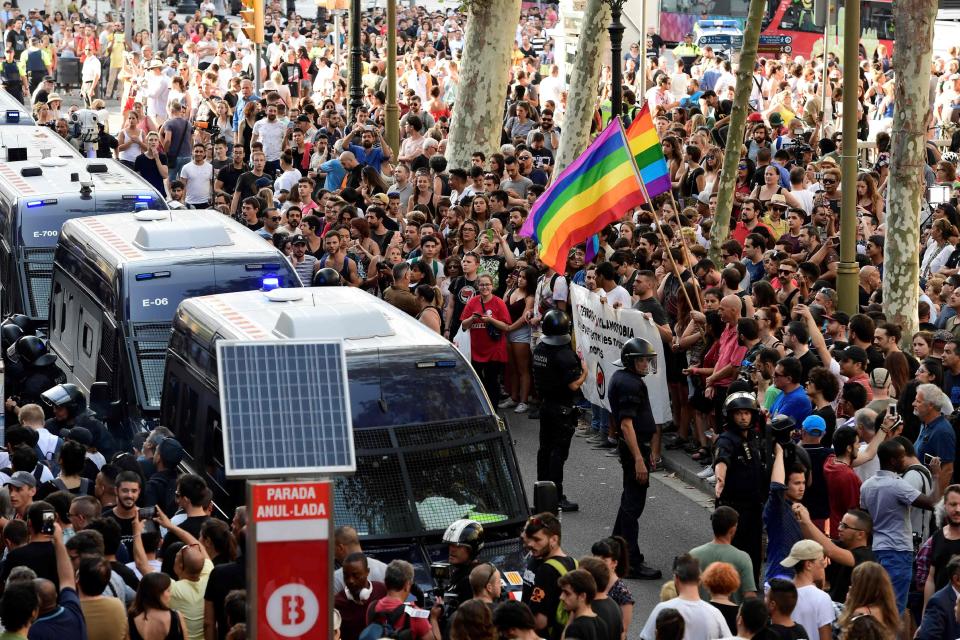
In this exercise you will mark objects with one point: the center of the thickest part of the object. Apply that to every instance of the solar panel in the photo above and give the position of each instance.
(285, 408)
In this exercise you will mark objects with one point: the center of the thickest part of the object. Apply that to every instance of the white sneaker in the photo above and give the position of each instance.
(506, 404)
(712, 479)
(706, 472)
(521, 408)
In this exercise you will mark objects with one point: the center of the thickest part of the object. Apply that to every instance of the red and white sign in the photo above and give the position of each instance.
(292, 524)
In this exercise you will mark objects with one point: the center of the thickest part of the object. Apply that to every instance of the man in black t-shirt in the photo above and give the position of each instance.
(228, 176)
(577, 591)
(548, 564)
(249, 183)
(128, 492)
(192, 496)
(850, 549)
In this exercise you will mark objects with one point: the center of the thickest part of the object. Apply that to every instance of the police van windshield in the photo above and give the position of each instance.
(42, 218)
(153, 294)
(428, 452)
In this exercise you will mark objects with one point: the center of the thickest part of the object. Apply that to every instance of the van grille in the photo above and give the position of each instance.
(150, 341)
(441, 472)
(38, 269)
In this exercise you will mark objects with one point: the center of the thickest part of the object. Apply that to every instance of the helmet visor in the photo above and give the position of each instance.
(646, 365)
(56, 397)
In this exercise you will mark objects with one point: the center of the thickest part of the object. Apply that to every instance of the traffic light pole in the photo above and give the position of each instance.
(257, 61)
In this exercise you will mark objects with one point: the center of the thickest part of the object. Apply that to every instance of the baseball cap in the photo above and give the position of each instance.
(298, 239)
(81, 435)
(171, 452)
(857, 354)
(754, 117)
(814, 425)
(801, 551)
(943, 336)
(382, 198)
(22, 479)
(879, 378)
(839, 317)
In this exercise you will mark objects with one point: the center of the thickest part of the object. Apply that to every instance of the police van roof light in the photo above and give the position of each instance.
(270, 283)
(13, 115)
(152, 276)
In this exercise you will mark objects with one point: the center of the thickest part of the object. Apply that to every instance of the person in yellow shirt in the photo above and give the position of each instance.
(776, 208)
(192, 565)
(116, 48)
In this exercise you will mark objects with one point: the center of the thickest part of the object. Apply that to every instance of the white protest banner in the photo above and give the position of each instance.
(601, 332)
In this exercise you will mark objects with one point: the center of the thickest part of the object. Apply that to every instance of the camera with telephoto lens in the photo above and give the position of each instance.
(441, 573)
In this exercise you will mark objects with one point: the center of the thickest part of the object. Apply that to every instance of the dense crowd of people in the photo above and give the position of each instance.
(829, 438)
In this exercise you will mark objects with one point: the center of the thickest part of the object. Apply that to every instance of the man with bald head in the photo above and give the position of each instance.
(192, 566)
(869, 282)
(730, 356)
(60, 616)
(346, 542)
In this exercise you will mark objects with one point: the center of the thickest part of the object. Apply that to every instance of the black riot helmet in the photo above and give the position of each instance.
(67, 396)
(327, 277)
(634, 350)
(465, 533)
(32, 351)
(9, 334)
(556, 327)
(782, 427)
(19, 320)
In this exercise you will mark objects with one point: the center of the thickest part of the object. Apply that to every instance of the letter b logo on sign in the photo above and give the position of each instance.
(292, 610)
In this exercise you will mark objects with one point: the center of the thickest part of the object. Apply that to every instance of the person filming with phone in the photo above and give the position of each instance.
(38, 553)
(937, 438)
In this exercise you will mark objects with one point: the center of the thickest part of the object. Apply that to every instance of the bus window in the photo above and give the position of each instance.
(801, 16)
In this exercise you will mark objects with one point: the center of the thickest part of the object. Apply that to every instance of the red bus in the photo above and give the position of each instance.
(797, 24)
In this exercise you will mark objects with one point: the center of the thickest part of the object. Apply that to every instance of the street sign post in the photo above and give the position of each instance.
(292, 559)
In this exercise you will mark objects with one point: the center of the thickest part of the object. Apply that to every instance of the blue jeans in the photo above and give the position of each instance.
(600, 419)
(899, 566)
(178, 164)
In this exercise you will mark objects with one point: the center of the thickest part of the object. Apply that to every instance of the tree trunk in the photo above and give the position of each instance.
(141, 15)
(584, 76)
(901, 258)
(720, 230)
(478, 114)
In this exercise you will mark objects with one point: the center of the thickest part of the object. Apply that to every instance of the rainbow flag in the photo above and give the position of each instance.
(592, 248)
(646, 150)
(600, 187)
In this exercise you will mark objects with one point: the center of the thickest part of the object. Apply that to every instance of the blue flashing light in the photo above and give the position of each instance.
(33, 204)
(145, 198)
(270, 283)
(144, 276)
(13, 116)
(446, 364)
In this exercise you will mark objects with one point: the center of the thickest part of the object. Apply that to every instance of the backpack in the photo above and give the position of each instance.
(562, 616)
(383, 624)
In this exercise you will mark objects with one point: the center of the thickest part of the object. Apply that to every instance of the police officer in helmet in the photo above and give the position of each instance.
(630, 407)
(558, 374)
(32, 371)
(464, 540)
(327, 277)
(69, 407)
(743, 472)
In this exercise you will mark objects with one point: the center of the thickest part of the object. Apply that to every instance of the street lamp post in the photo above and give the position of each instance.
(393, 109)
(616, 66)
(847, 272)
(356, 90)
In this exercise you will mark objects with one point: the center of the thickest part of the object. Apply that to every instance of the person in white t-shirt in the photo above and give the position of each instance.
(814, 610)
(702, 621)
(197, 179)
(610, 292)
(270, 132)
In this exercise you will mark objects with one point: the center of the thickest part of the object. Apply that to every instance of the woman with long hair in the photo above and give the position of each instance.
(930, 371)
(939, 247)
(480, 209)
(712, 165)
(423, 194)
(871, 593)
(869, 199)
(468, 237)
(673, 152)
(219, 542)
(922, 344)
(150, 616)
(427, 298)
(371, 184)
(245, 127)
(899, 369)
(519, 300)
(763, 294)
(130, 140)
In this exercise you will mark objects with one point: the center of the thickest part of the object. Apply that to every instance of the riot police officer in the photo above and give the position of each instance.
(743, 471)
(32, 371)
(464, 540)
(630, 406)
(327, 277)
(557, 374)
(69, 407)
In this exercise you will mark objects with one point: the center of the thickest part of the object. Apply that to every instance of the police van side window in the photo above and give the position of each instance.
(87, 340)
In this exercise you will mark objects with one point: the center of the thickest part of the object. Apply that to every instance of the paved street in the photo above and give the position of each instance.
(676, 518)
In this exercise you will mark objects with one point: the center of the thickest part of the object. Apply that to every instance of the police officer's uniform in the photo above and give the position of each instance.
(12, 80)
(555, 367)
(629, 399)
(747, 480)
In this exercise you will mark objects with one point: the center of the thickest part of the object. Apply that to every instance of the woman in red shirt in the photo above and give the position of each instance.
(488, 320)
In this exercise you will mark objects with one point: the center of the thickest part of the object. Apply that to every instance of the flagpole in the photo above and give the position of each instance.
(646, 196)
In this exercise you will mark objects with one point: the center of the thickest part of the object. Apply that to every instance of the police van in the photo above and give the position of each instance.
(117, 281)
(14, 112)
(429, 446)
(39, 194)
